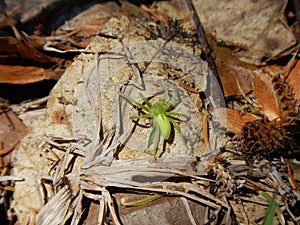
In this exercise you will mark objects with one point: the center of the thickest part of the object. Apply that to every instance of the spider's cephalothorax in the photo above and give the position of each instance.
(163, 118)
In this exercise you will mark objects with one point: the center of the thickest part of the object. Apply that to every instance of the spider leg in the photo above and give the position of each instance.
(166, 91)
(143, 107)
(177, 128)
(176, 114)
(141, 116)
(146, 100)
(172, 100)
(154, 136)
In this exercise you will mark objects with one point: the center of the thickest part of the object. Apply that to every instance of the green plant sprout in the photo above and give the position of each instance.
(163, 118)
(272, 209)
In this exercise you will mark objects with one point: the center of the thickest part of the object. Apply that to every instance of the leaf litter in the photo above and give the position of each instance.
(91, 167)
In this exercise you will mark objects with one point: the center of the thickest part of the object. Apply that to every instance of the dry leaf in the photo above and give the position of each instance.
(292, 74)
(11, 131)
(8, 45)
(158, 16)
(15, 74)
(28, 47)
(257, 25)
(12, 128)
(294, 80)
(232, 119)
(232, 72)
(264, 93)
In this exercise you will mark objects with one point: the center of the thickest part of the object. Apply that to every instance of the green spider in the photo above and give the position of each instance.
(162, 117)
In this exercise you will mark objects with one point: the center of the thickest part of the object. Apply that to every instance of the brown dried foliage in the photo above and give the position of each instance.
(265, 138)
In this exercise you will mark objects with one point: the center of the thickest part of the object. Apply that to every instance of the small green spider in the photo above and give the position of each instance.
(162, 117)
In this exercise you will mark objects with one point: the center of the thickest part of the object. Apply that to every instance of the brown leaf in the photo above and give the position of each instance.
(8, 45)
(256, 25)
(87, 32)
(12, 128)
(156, 14)
(232, 71)
(292, 74)
(15, 74)
(232, 119)
(294, 80)
(264, 93)
(28, 47)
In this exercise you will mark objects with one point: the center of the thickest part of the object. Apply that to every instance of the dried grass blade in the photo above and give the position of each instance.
(55, 211)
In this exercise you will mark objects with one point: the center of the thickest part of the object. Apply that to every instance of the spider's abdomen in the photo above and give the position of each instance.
(164, 125)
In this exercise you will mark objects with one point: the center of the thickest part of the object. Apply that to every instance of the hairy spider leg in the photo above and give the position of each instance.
(176, 114)
(146, 100)
(144, 116)
(166, 94)
(172, 100)
(133, 102)
(166, 91)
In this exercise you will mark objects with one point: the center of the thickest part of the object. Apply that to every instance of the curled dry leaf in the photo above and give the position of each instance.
(265, 94)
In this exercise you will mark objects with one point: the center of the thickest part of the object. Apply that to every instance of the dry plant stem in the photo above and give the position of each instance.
(23, 107)
(189, 89)
(78, 210)
(47, 47)
(111, 207)
(259, 202)
(259, 185)
(206, 132)
(5, 178)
